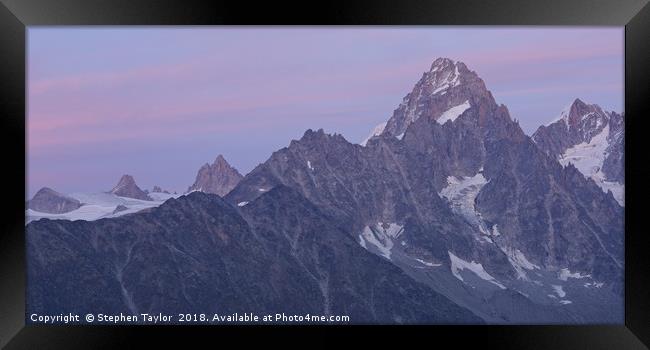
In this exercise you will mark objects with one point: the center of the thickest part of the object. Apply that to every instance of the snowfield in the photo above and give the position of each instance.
(458, 264)
(461, 193)
(381, 236)
(588, 158)
(453, 113)
(101, 205)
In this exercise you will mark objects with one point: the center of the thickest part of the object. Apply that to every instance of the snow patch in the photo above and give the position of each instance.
(309, 166)
(594, 284)
(519, 261)
(458, 264)
(381, 236)
(558, 290)
(241, 204)
(442, 88)
(453, 113)
(565, 302)
(461, 193)
(588, 158)
(565, 274)
(426, 263)
(100, 205)
(442, 84)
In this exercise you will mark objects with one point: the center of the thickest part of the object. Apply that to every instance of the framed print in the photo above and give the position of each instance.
(466, 171)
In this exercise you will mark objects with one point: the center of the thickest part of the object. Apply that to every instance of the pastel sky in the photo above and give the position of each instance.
(159, 102)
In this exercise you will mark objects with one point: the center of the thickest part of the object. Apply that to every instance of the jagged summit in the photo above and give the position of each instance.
(442, 61)
(220, 161)
(577, 122)
(320, 134)
(218, 178)
(309, 133)
(127, 187)
(446, 73)
(443, 93)
(577, 111)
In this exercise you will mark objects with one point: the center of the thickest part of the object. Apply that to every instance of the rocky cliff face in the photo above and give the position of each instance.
(218, 178)
(127, 187)
(592, 140)
(47, 200)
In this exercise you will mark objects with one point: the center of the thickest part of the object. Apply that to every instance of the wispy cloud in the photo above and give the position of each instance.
(107, 87)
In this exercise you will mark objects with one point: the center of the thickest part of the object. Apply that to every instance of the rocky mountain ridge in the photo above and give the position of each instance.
(218, 178)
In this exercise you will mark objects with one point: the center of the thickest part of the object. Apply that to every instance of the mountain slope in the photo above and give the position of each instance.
(199, 254)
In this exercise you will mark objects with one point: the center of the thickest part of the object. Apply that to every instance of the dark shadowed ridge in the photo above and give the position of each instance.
(283, 255)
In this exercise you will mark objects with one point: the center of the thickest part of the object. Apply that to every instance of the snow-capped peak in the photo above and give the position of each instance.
(443, 75)
(448, 84)
(441, 62)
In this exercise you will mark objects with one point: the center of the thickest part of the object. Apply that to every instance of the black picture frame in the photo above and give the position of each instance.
(16, 15)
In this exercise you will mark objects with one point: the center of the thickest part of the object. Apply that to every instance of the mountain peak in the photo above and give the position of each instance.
(220, 160)
(449, 70)
(127, 187)
(580, 108)
(311, 133)
(218, 178)
(443, 93)
(126, 180)
(46, 190)
(444, 74)
(441, 62)
(47, 200)
(577, 112)
(578, 102)
(319, 135)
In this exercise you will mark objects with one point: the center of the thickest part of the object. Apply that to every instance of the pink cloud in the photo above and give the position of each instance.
(70, 117)
(77, 82)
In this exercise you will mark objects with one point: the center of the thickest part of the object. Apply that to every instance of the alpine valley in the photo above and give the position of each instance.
(448, 213)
